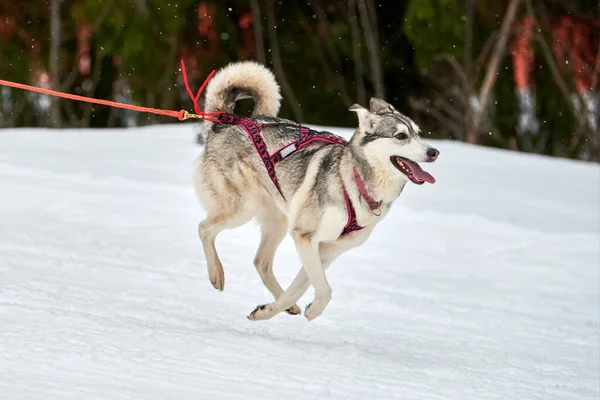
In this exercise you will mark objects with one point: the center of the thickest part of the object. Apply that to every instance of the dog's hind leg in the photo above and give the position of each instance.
(234, 211)
(274, 228)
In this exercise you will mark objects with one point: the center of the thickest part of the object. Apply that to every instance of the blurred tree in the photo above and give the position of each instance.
(444, 63)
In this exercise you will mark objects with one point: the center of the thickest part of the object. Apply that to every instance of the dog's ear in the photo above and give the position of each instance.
(380, 107)
(366, 120)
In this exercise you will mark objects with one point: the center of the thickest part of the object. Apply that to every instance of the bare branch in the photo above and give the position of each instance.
(443, 104)
(420, 105)
(458, 69)
(547, 52)
(485, 51)
(493, 66)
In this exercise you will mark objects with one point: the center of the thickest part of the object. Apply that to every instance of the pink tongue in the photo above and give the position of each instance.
(418, 172)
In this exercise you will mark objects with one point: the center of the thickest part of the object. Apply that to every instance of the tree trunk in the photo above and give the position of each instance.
(372, 13)
(55, 27)
(492, 70)
(258, 33)
(358, 66)
(287, 90)
(468, 89)
(372, 46)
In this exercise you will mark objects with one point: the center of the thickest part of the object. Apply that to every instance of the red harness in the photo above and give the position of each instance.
(307, 136)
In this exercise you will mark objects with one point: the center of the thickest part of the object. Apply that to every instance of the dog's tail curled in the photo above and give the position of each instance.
(241, 80)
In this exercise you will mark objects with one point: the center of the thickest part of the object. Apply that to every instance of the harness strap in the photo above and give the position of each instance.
(351, 225)
(307, 137)
(253, 130)
(373, 205)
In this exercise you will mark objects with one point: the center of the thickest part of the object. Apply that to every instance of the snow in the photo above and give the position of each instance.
(485, 285)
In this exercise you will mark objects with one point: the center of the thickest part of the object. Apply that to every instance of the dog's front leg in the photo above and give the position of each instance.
(286, 300)
(312, 272)
(308, 250)
(328, 252)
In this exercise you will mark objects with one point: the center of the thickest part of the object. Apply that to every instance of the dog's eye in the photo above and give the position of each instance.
(401, 136)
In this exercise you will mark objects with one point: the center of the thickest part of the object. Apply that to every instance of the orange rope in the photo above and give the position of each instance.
(181, 114)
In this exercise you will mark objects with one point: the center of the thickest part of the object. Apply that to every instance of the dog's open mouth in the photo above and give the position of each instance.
(412, 170)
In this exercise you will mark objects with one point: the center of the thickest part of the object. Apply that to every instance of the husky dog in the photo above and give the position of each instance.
(320, 186)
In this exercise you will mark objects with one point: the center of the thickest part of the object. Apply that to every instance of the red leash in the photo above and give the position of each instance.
(181, 114)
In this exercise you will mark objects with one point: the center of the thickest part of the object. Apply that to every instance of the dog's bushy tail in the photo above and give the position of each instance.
(241, 80)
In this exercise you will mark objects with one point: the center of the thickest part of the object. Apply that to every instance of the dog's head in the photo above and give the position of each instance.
(392, 139)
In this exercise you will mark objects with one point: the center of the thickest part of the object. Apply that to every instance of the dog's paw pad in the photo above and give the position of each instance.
(294, 310)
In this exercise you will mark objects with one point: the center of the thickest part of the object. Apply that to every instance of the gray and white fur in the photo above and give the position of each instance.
(233, 186)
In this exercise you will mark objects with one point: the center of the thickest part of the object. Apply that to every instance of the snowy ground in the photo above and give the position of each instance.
(482, 286)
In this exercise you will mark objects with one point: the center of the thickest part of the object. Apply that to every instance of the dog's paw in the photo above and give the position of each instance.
(309, 312)
(294, 310)
(314, 309)
(265, 311)
(217, 277)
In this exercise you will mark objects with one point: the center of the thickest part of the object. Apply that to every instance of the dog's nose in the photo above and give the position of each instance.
(432, 153)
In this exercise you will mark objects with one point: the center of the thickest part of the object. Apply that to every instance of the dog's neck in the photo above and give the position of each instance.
(381, 184)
